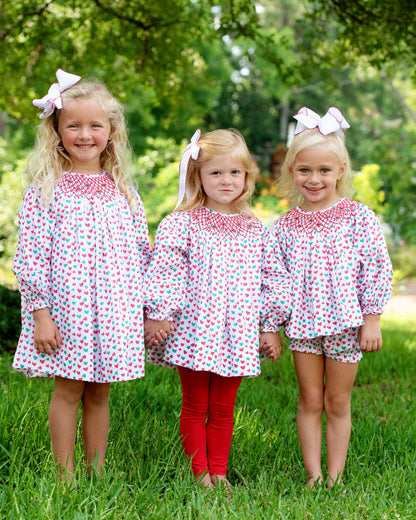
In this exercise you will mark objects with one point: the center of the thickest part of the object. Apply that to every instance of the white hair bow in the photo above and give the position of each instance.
(192, 150)
(53, 98)
(332, 122)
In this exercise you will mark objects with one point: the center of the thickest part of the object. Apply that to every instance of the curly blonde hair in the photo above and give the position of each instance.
(314, 139)
(220, 142)
(49, 159)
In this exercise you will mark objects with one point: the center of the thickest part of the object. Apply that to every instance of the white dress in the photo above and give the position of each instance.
(84, 257)
(205, 276)
(339, 266)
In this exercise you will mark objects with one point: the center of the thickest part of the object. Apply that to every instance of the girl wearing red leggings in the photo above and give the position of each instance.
(204, 288)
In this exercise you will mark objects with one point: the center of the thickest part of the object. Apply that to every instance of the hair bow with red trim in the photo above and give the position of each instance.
(332, 122)
(53, 98)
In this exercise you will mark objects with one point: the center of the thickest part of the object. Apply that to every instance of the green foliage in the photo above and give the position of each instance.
(168, 61)
(182, 64)
(157, 175)
(381, 30)
(146, 475)
(136, 47)
(404, 259)
(12, 184)
(394, 150)
(9, 318)
(112, 40)
(253, 97)
(368, 188)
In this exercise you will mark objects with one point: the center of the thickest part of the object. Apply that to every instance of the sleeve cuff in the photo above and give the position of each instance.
(159, 316)
(34, 304)
(271, 326)
(372, 310)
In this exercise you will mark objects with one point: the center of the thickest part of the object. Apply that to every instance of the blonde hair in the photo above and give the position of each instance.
(314, 139)
(49, 159)
(220, 142)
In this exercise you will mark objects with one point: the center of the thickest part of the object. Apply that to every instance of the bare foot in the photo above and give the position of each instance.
(221, 481)
(313, 480)
(331, 483)
(66, 483)
(204, 480)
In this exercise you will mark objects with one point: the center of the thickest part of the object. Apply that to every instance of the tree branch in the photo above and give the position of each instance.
(145, 27)
(20, 20)
(397, 94)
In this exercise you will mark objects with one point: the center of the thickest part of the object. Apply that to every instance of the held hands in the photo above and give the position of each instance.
(369, 334)
(271, 344)
(156, 332)
(46, 336)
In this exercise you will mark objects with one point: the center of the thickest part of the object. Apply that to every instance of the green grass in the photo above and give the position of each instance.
(146, 472)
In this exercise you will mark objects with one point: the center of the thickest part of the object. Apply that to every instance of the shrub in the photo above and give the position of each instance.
(9, 318)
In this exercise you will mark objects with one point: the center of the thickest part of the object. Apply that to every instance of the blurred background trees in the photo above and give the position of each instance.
(182, 64)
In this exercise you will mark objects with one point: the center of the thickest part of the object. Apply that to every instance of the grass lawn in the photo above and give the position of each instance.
(146, 472)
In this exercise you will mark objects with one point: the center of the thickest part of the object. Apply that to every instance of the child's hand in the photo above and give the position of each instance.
(369, 334)
(46, 335)
(271, 344)
(156, 332)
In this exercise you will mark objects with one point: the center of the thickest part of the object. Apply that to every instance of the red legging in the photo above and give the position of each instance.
(207, 396)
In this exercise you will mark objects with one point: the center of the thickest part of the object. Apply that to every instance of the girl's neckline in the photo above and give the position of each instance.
(85, 174)
(219, 212)
(321, 210)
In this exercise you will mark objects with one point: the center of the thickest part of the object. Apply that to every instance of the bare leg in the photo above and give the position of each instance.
(95, 422)
(337, 402)
(310, 374)
(63, 412)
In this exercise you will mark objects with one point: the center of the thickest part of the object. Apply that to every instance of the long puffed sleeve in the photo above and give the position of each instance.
(375, 277)
(276, 293)
(143, 242)
(167, 274)
(31, 264)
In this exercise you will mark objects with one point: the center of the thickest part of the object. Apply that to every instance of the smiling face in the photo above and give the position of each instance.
(223, 179)
(84, 129)
(316, 172)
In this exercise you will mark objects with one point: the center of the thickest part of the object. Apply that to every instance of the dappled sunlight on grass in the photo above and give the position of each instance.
(404, 321)
(399, 332)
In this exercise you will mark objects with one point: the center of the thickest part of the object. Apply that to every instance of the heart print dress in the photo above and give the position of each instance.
(84, 257)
